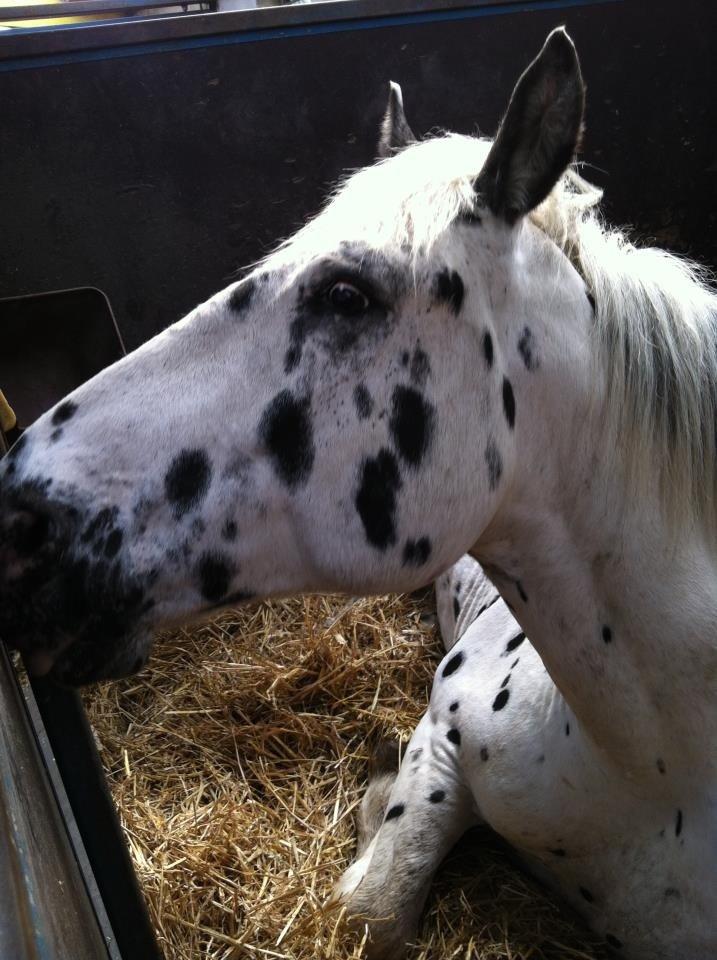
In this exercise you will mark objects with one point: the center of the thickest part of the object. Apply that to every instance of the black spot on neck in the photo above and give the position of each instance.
(230, 531)
(678, 823)
(448, 288)
(607, 634)
(508, 402)
(395, 811)
(363, 401)
(525, 349)
(488, 349)
(214, 574)
(56, 435)
(501, 700)
(416, 552)
(64, 413)
(437, 796)
(454, 706)
(187, 480)
(453, 664)
(454, 736)
(241, 296)
(567, 729)
(411, 424)
(285, 430)
(514, 643)
(376, 498)
(494, 463)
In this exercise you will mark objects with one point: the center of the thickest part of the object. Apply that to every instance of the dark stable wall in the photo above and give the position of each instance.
(156, 176)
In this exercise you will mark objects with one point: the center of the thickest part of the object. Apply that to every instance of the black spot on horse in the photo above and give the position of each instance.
(567, 729)
(505, 682)
(586, 895)
(437, 796)
(363, 401)
(285, 430)
(241, 296)
(416, 552)
(613, 941)
(376, 498)
(661, 765)
(521, 592)
(484, 755)
(525, 349)
(64, 413)
(113, 543)
(456, 607)
(448, 288)
(230, 531)
(453, 664)
(454, 736)
(678, 823)
(494, 462)
(454, 706)
(514, 643)
(672, 892)
(56, 435)
(508, 402)
(187, 480)
(591, 299)
(214, 574)
(607, 634)
(101, 523)
(411, 424)
(420, 367)
(488, 349)
(501, 700)
(395, 811)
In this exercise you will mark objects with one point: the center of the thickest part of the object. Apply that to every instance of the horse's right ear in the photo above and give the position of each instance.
(539, 133)
(395, 131)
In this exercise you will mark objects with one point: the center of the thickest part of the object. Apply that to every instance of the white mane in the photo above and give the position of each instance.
(656, 315)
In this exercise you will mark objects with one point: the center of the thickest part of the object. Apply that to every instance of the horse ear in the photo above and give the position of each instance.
(539, 134)
(395, 131)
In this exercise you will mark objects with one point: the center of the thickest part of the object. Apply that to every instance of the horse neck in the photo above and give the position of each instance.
(622, 610)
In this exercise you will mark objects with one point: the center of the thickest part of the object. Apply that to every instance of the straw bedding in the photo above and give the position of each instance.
(237, 759)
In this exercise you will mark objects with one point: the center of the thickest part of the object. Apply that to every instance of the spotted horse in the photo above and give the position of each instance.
(455, 357)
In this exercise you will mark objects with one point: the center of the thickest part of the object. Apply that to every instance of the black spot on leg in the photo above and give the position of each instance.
(514, 643)
(291, 358)
(448, 288)
(678, 823)
(376, 498)
(488, 349)
(187, 480)
(416, 552)
(484, 755)
(405, 357)
(437, 796)
(411, 424)
(214, 575)
(241, 296)
(420, 367)
(64, 413)
(607, 634)
(501, 700)
(508, 402)
(494, 463)
(525, 349)
(454, 736)
(453, 664)
(395, 811)
(285, 430)
(613, 941)
(363, 401)
(454, 706)
(586, 895)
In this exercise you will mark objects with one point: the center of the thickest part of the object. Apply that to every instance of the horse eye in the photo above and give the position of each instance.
(347, 299)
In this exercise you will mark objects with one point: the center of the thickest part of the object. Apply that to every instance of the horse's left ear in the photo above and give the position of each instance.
(395, 131)
(539, 134)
